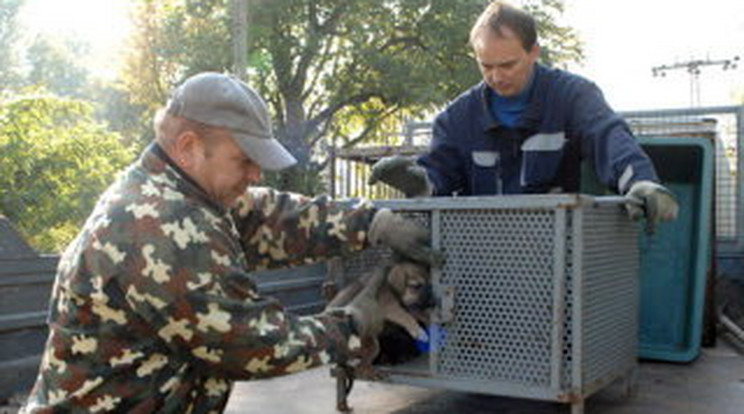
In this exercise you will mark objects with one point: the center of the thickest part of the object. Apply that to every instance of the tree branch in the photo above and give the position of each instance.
(325, 56)
(364, 134)
(314, 36)
(406, 40)
(331, 110)
(372, 126)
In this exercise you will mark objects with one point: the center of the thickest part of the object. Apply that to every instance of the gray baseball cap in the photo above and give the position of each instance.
(225, 101)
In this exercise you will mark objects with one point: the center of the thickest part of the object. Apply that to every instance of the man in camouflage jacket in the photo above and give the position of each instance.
(153, 309)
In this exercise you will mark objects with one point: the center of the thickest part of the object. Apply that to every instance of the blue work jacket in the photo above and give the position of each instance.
(566, 121)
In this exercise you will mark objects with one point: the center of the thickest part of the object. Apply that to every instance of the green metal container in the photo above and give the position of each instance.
(675, 261)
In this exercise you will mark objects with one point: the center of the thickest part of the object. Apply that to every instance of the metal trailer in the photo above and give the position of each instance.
(538, 297)
(25, 284)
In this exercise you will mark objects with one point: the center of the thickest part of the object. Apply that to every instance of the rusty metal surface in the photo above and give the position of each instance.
(712, 384)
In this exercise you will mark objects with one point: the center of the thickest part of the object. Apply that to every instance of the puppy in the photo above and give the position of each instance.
(408, 298)
(404, 298)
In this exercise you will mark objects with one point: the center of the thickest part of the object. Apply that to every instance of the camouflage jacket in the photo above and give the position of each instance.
(153, 309)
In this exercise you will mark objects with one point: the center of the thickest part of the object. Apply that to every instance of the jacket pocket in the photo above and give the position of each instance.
(486, 177)
(541, 159)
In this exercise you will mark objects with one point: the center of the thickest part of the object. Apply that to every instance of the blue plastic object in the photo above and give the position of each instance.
(437, 336)
(675, 261)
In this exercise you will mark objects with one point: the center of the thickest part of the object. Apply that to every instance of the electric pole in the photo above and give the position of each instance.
(240, 37)
(693, 68)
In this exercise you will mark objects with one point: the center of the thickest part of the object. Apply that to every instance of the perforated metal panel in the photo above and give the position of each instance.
(545, 291)
(501, 265)
(610, 266)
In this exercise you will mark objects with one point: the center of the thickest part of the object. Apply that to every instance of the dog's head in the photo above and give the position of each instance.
(411, 282)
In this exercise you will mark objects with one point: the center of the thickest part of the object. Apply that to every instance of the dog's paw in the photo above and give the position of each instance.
(421, 335)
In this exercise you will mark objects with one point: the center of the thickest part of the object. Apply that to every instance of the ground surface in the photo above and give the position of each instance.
(714, 384)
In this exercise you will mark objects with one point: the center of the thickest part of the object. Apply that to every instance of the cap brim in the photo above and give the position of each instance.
(269, 153)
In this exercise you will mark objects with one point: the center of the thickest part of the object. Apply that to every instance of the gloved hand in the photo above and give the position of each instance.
(403, 174)
(654, 201)
(404, 236)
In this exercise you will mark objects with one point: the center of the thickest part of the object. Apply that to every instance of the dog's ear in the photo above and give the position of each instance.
(396, 277)
(420, 271)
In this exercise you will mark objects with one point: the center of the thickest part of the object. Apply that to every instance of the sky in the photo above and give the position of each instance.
(623, 40)
(104, 24)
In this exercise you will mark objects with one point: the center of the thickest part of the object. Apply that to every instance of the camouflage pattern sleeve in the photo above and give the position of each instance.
(192, 289)
(279, 229)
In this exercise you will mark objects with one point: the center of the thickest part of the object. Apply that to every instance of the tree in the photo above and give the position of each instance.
(53, 65)
(332, 68)
(9, 33)
(56, 162)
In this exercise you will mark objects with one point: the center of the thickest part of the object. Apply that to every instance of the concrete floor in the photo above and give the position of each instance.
(713, 384)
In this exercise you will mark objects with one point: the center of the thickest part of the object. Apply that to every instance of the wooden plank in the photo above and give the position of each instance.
(372, 154)
(42, 264)
(18, 376)
(27, 279)
(24, 298)
(22, 320)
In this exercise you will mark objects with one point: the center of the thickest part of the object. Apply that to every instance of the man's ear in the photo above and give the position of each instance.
(188, 148)
(534, 53)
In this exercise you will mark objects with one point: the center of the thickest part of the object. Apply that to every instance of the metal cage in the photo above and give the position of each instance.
(538, 297)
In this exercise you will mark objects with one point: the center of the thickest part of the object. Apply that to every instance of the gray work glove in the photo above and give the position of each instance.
(653, 201)
(404, 237)
(403, 174)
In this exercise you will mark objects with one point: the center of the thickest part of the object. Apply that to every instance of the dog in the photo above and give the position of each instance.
(405, 299)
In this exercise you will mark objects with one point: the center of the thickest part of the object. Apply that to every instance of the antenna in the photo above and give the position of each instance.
(693, 68)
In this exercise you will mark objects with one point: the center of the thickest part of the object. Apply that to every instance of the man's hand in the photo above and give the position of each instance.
(403, 174)
(654, 201)
(404, 236)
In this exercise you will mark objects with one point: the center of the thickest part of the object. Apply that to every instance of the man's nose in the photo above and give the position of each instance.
(253, 173)
(495, 75)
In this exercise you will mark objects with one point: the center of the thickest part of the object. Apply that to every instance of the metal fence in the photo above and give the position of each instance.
(723, 125)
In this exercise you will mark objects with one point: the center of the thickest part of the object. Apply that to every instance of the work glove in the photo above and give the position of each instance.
(652, 200)
(403, 174)
(404, 237)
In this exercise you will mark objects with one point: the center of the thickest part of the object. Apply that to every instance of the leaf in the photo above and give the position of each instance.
(57, 159)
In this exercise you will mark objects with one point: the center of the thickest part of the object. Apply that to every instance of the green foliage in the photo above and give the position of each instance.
(114, 104)
(57, 160)
(348, 71)
(558, 44)
(54, 66)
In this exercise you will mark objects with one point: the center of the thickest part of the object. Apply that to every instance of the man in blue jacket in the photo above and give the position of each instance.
(525, 129)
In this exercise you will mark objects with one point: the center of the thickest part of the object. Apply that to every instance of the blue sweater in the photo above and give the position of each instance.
(566, 121)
